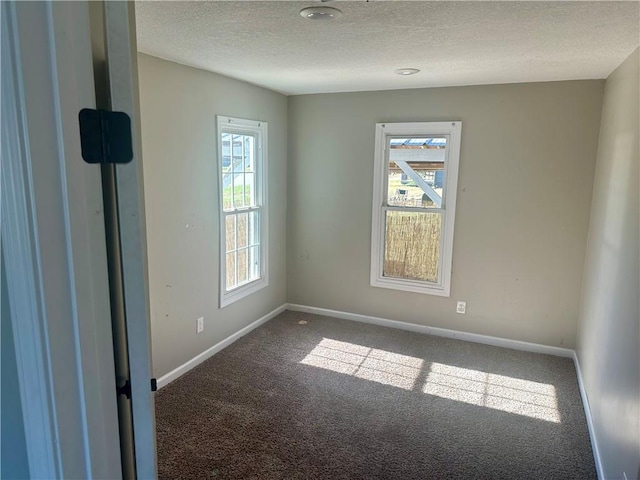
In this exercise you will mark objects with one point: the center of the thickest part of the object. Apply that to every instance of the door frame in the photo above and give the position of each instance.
(125, 181)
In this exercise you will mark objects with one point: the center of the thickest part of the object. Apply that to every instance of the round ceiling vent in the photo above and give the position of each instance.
(320, 13)
(407, 71)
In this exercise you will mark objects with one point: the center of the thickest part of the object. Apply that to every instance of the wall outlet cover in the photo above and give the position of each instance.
(461, 307)
(200, 325)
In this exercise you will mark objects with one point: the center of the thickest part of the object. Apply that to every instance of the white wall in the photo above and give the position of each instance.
(526, 175)
(609, 337)
(179, 106)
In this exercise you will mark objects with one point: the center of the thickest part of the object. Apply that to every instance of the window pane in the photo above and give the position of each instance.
(226, 151)
(412, 245)
(243, 153)
(249, 153)
(254, 263)
(231, 270)
(227, 188)
(230, 233)
(243, 273)
(243, 229)
(415, 174)
(250, 189)
(254, 228)
(238, 190)
(238, 171)
(238, 153)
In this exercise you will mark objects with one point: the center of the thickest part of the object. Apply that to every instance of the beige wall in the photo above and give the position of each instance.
(526, 175)
(179, 107)
(609, 335)
(526, 180)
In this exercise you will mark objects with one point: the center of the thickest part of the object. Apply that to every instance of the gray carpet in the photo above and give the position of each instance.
(333, 399)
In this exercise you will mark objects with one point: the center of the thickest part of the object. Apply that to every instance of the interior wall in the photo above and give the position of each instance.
(14, 463)
(524, 192)
(179, 105)
(609, 336)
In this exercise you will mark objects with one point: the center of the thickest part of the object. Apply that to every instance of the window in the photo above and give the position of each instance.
(414, 201)
(242, 172)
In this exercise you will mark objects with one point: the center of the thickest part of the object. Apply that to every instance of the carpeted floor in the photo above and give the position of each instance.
(333, 399)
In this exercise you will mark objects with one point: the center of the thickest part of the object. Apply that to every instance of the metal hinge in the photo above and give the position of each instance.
(125, 388)
(105, 137)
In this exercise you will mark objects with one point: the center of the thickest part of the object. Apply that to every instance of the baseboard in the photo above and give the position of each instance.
(438, 332)
(587, 413)
(197, 360)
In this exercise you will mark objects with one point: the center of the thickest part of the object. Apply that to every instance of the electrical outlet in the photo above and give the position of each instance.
(461, 307)
(200, 325)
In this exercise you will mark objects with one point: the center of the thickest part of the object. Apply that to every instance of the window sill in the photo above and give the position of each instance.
(410, 286)
(227, 298)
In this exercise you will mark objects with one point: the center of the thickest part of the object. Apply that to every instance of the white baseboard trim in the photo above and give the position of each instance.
(587, 413)
(208, 353)
(438, 332)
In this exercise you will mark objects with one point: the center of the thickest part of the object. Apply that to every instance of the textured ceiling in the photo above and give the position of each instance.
(454, 43)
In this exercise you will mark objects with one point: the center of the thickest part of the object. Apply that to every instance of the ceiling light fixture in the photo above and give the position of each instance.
(320, 13)
(407, 71)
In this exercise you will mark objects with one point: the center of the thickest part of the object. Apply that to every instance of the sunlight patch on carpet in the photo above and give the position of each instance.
(513, 395)
(379, 366)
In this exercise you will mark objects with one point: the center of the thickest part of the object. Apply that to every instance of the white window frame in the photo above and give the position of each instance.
(259, 130)
(384, 131)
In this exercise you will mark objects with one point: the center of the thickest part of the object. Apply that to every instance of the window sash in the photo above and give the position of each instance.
(383, 239)
(236, 213)
(232, 173)
(387, 152)
(392, 208)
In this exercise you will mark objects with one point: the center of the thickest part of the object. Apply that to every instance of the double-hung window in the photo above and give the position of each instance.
(414, 201)
(242, 172)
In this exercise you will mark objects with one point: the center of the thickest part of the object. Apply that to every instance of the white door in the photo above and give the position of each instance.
(59, 235)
